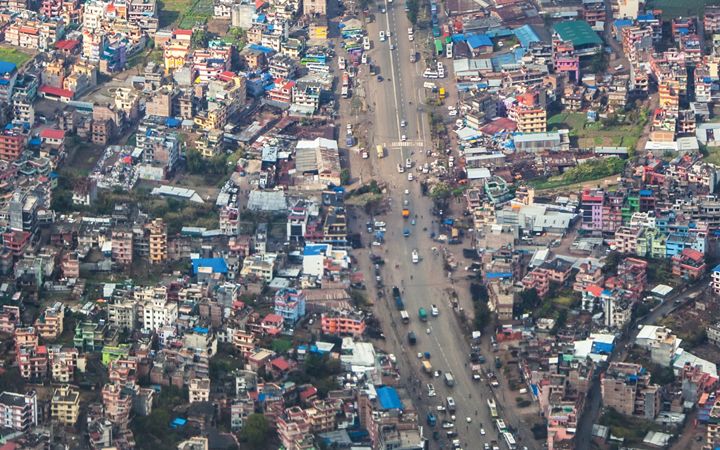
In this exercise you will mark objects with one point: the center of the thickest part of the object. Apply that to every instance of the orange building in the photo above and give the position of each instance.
(343, 323)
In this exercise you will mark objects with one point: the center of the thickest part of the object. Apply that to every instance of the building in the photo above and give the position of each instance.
(315, 7)
(290, 305)
(8, 78)
(502, 300)
(122, 247)
(689, 264)
(528, 114)
(65, 405)
(158, 241)
(50, 323)
(626, 388)
(12, 143)
(18, 412)
(343, 323)
(118, 401)
(199, 390)
(715, 280)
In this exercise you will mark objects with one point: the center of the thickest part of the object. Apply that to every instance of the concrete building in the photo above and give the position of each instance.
(315, 7)
(343, 323)
(290, 304)
(158, 241)
(626, 387)
(199, 390)
(65, 405)
(18, 412)
(122, 247)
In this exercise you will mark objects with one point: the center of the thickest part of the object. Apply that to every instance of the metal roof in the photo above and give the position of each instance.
(578, 32)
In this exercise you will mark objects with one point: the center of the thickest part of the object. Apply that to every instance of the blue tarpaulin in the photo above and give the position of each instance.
(389, 398)
(495, 275)
(217, 265)
(172, 122)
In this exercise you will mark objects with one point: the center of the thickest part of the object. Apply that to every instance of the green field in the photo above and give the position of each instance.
(678, 8)
(595, 134)
(184, 13)
(13, 55)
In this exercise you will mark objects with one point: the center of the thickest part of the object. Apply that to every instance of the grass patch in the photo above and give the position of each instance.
(675, 8)
(599, 134)
(588, 171)
(199, 12)
(633, 429)
(13, 55)
(713, 155)
(171, 10)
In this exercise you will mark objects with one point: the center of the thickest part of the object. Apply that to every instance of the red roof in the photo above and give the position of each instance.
(307, 393)
(498, 125)
(49, 133)
(181, 32)
(595, 290)
(693, 254)
(280, 363)
(67, 44)
(273, 318)
(56, 91)
(226, 76)
(29, 30)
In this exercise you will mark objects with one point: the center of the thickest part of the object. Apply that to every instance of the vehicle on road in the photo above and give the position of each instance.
(365, 155)
(434, 310)
(405, 317)
(440, 408)
(400, 168)
(380, 151)
(446, 424)
(498, 363)
(412, 339)
(431, 419)
(468, 419)
(427, 367)
(408, 163)
(406, 232)
(410, 176)
(415, 256)
(482, 431)
(392, 46)
(450, 404)
(403, 123)
(449, 379)
(403, 138)
(382, 36)
(379, 78)
(405, 213)
(422, 314)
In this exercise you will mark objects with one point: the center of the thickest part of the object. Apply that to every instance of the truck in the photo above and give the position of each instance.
(493, 408)
(451, 405)
(422, 314)
(449, 379)
(397, 298)
(380, 151)
(441, 93)
(404, 316)
(427, 367)
(405, 213)
(431, 419)
(412, 339)
(475, 369)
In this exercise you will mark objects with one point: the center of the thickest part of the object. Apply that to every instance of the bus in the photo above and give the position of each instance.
(500, 424)
(509, 440)
(405, 316)
(493, 408)
(380, 151)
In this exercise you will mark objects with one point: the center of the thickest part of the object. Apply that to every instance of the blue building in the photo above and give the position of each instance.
(290, 304)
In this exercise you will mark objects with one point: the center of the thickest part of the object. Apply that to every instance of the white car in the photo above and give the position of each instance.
(434, 311)
(408, 163)
(365, 155)
(349, 127)
(440, 408)
(407, 191)
(415, 256)
(453, 112)
(403, 138)
(436, 374)
(410, 176)
(382, 36)
(403, 123)
(420, 355)
(482, 431)
(468, 419)
(392, 46)
(432, 394)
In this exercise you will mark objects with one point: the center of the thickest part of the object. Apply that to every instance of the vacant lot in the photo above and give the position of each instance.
(595, 134)
(678, 8)
(198, 13)
(13, 55)
(172, 10)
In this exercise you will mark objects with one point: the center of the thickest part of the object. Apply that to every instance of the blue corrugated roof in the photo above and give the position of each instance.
(314, 250)
(7, 67)
(717, 268)
(389, 398)
(494, 275)
(479, 40)
(217, 265)
(526, 35)
(645, 192)
(619, 23)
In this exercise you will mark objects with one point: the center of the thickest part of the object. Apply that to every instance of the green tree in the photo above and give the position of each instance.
(255, 430)
(413, 10)
(440, 191)
(345, 177)
(199, 39)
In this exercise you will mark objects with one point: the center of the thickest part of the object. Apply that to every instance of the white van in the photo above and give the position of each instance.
(382, 36)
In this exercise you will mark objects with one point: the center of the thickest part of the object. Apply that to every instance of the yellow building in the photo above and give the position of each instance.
(214, 119)
(175, 54)
(158, 241)
(318, 32)
(65, 407)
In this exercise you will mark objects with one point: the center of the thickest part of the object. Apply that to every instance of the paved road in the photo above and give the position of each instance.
(395, 99)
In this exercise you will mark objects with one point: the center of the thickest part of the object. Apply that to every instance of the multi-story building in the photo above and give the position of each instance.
(315, 7)
(122, 247)
(626, 387)
(689, 264)
(123, 315)
(529, 115)
(117, 400)
(12, 142)
(711, 19)
(33, 363)
(65, 405)
(50, 323)
(63, 362)
(588, 275)
(158, 241)
(537, 279)
(343, 323)
(18, 412)
(199, 390)
(290, 305)
(715, 280)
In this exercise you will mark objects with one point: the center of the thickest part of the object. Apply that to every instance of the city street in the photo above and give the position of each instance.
(391, 101)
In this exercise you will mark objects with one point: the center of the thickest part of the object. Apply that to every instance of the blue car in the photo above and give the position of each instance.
(406, 232)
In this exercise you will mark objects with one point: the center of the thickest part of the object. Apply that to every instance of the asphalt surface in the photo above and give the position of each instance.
(395, 99)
